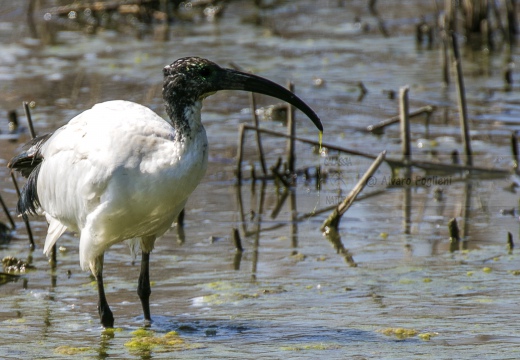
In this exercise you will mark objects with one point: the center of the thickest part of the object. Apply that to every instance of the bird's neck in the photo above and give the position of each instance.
(185, 118)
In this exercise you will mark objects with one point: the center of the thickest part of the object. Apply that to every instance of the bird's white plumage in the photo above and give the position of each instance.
(115, 172)
(120, 172)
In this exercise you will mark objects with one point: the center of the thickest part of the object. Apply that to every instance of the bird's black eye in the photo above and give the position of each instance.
(205, 72)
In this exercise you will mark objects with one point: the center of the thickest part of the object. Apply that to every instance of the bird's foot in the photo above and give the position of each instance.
(147, 323)
(106, 316)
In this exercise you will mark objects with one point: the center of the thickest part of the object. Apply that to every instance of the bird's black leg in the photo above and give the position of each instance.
(105, 314)
(143, 288)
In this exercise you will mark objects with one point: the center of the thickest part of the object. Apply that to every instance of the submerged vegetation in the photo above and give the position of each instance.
(147, 340)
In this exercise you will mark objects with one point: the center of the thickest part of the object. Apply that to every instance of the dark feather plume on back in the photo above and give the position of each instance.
(28, 164)
(30, 157)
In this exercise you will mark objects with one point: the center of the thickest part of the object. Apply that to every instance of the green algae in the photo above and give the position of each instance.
(312, 346)
(147, 340)
(71, 350)
(398, 332)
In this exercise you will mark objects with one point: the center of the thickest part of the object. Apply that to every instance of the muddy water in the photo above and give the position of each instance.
(290, 295)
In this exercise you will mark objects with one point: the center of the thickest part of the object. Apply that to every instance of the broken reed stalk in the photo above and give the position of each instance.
(449, 15)
(30, 19)
(405, 124)
(256, 243)
(455, 157)
(240, 152)
(24, 216)
(294, 220)
(510, 243)
(445, 59)
(395, 119)
(407, 203)
(466, 213)
(318, 176)
(29, 119)
(258, 138)
(334, 218)
(514, 149)
(291, 132)
(463, 109)
(279, 203)
(6, 210)
(240, 206)
(453, 229)
(448, 25)
(512, 21)
(239, 250)
(15, 183)
(236, 239)
(508, 76)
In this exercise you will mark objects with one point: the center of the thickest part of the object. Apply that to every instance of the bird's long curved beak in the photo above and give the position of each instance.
(238, 80)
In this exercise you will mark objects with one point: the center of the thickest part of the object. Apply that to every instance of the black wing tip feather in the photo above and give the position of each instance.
(28, 163)
(24, 164)
(29, 203)
(30, 158)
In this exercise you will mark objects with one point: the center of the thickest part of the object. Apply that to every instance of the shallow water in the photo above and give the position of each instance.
(290, 295)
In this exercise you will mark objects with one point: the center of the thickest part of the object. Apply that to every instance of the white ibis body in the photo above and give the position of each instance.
(120, 172)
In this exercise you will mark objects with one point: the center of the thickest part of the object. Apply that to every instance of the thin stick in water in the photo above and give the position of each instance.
(405, 124)
(6, 210)
(510, 243)
(257, 134)
(236, 240)
(514, 149)
(334, 218)
(291, 132)
(240, 152)
(377, 128)
(512, 21)
(463, 109)
(29, 119)
(453, 229)
(24, 216)
(448, 25)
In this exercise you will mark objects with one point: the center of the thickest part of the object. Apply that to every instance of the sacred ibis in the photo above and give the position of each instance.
(120, 172)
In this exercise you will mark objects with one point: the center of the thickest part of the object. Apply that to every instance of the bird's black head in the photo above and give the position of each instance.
(191, 79)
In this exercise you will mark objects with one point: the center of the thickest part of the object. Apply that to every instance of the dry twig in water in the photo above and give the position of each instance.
(334, 218)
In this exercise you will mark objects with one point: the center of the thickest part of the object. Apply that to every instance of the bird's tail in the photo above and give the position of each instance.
(56, 229)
